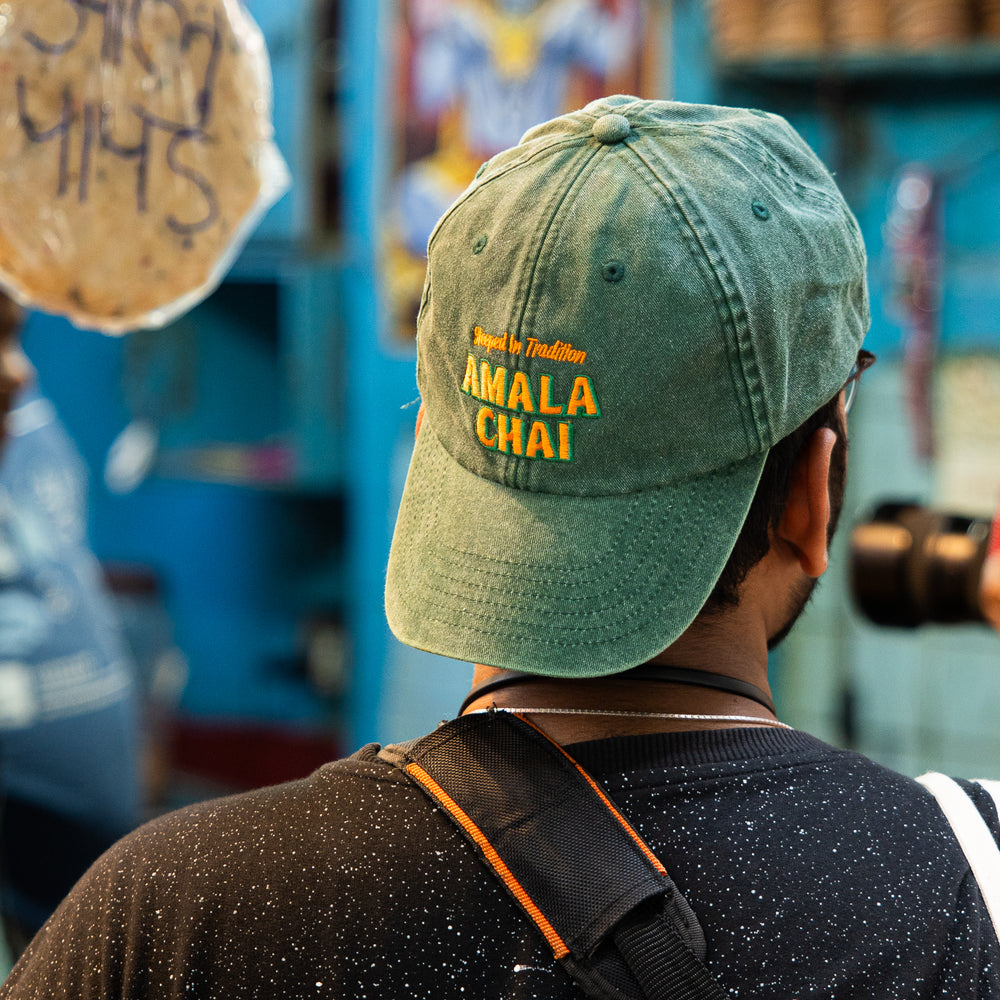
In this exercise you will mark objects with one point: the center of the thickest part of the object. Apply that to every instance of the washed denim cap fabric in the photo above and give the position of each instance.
(622, 314)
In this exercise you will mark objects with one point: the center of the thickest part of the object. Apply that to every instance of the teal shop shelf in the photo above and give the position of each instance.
(247, 388)
(972, 59)
(304, 43)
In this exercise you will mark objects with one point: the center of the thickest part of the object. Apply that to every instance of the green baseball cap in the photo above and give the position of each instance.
(622, 314)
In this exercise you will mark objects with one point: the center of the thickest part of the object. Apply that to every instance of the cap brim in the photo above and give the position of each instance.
(563, 586)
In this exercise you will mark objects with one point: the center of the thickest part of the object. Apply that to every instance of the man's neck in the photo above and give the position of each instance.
(701, 648)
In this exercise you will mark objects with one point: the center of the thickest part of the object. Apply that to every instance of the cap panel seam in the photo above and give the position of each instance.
(561, 193)
(553, 227)
(729, 303)
(477, 185)
(835, 202)
(765, 159)
(759, 153)
(509, 467)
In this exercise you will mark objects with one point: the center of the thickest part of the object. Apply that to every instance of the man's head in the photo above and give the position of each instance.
(622, 315)
(767, 508)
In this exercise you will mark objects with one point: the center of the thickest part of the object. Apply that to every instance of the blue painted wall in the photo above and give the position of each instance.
(912, 699)
(259, 364)
(242, 567)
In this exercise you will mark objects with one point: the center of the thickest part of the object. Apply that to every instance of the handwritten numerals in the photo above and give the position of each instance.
(60, 131)
(85, 129)
(189, 229)
(122, 23)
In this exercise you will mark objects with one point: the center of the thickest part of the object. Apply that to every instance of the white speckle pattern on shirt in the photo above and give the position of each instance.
(815, 873)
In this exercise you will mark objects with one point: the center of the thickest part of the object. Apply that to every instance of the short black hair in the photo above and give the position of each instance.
(754, 540)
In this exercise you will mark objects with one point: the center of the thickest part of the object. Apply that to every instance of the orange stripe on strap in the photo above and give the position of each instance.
(549, 932)
(626, 825)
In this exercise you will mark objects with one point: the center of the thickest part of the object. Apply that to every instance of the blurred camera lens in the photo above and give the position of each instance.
(910, 566)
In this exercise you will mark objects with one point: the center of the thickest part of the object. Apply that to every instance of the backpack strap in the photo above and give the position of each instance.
(972, 833)
(602, 900)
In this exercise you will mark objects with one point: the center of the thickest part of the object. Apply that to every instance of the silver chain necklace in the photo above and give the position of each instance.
(623, 713)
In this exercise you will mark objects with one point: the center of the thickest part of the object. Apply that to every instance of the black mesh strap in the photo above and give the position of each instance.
(663, 965)
(574, 865)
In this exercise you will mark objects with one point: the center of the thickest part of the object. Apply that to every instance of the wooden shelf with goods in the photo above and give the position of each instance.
(856, 41)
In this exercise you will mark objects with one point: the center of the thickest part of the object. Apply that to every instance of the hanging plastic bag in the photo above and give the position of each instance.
(136, 154)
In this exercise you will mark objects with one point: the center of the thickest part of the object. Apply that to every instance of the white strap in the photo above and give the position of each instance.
(973, 835)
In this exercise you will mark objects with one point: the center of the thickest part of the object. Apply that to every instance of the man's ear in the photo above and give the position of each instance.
(806, 518)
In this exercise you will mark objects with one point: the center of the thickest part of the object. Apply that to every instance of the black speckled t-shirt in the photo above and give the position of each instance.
(815, 874)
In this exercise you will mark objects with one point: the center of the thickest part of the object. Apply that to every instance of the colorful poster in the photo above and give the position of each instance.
(474, 75)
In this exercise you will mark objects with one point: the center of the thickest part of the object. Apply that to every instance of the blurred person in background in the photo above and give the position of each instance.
(68, 716)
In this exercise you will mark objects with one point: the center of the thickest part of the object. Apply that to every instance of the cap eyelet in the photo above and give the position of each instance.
(613, 271)
(761, 210)
(480, 245)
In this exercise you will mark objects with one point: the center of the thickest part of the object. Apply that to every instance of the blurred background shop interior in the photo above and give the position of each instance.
(245, 462)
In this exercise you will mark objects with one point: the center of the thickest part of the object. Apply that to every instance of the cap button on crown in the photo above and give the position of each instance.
(611, 128)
